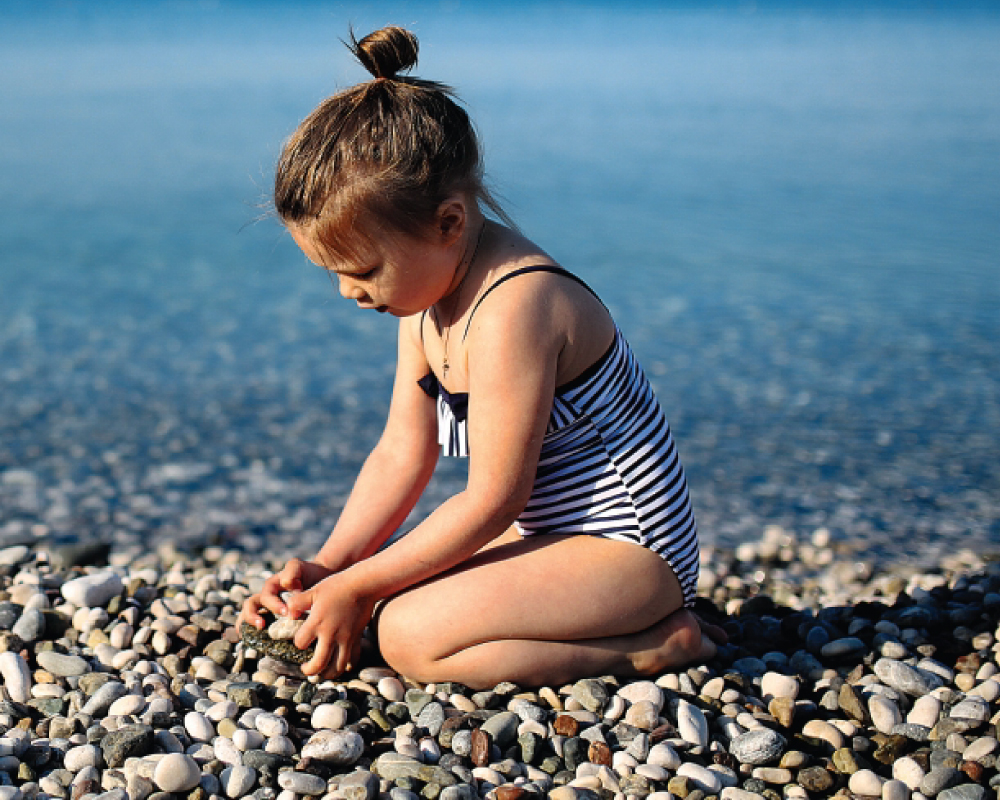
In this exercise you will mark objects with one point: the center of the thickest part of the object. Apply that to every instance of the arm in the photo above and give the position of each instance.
(513, 356)
(385, 491)
(398, 469)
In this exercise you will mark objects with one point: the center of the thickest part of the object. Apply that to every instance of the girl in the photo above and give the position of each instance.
(572, 550)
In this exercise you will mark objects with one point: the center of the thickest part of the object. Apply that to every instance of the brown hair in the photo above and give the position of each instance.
(380, 156)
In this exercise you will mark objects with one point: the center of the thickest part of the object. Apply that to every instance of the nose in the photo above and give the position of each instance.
(350, 290)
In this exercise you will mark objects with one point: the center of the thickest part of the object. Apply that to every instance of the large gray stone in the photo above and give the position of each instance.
(758, 746)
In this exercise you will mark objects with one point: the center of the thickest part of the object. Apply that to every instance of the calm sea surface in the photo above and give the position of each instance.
(793, 213)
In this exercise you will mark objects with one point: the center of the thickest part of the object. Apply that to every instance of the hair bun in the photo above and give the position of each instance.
(386, 52)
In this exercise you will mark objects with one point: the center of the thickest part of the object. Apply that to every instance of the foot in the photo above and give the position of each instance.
(674, 641)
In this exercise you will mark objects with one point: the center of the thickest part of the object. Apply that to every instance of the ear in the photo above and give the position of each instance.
(452, 217)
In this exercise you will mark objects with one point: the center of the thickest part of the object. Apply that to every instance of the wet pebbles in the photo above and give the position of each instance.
(131, 680)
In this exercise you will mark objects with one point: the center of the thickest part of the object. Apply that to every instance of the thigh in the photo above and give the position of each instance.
(551, 588)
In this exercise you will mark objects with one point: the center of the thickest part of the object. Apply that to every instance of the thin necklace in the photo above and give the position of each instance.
(445, 366)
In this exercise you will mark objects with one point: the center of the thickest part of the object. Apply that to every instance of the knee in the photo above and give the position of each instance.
(404, 641)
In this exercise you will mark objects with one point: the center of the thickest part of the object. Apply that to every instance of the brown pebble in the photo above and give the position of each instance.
(968, 663)
(783, 710)
(974, 770)
(509, 792)
(599, 753)
(565, 725)
(481, 744)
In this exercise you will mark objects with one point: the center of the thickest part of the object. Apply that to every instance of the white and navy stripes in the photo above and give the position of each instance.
(608, 464)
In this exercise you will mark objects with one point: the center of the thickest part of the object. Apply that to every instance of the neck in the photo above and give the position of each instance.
(470, 254)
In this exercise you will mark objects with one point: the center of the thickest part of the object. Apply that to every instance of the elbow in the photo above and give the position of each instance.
(503, 505)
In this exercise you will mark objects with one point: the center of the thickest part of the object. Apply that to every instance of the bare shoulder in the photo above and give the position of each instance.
(537, 301)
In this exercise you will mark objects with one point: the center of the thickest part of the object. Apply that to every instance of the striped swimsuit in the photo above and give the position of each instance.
(608, 464)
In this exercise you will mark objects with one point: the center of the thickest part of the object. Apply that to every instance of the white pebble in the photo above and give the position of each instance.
(885, 715)
(128, 704)
(925, 711)
(908, 771)
(391, 689)
(238, 781)
(663, 755)
(227, 752)
(271, 725)
(865, 782)
(329, 717)
(199, 727)
(691, 724)
(246, 739)
(92, 590)
(775, 684)
(705, 779)
(176, 772)
(642, 690)
(16, 676)
(85, 755)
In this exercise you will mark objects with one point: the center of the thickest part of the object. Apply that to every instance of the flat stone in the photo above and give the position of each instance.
(301, 783)
(906, 679)
(703, 778)
(393, 766)
(972, 708)
(844, 648)
(94, 590)
(340, 748)
(967, 791)
(982, 747)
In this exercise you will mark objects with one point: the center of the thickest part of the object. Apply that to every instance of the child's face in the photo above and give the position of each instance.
(401, 275)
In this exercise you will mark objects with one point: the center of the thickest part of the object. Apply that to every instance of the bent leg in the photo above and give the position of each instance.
(543, 610)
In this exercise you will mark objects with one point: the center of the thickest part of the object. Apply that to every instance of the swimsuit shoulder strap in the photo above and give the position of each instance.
(521, 271)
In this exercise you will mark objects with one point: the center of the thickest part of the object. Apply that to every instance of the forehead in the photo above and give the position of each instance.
(353, 256)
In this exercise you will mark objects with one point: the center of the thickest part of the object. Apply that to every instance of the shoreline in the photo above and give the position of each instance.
(842, 677)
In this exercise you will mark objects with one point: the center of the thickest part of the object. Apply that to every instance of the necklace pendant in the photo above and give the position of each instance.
(444, 366)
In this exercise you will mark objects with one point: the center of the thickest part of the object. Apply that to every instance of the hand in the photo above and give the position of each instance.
(337, 618)
(296, 576)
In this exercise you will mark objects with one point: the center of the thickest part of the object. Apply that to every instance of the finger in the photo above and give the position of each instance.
(291, 576)
(249, 612)
(324, 650)
(271, 595)
(274, 604)
(299, 604)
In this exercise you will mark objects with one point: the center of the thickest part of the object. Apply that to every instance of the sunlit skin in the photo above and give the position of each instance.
(463, 596)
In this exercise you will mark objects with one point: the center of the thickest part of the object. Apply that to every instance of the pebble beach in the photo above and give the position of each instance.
(842, 678)
(792, 215)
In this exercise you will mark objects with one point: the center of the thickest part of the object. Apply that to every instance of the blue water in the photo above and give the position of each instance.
(793, 212)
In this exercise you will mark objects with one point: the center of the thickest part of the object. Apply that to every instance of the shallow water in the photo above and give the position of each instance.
(793, 214)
